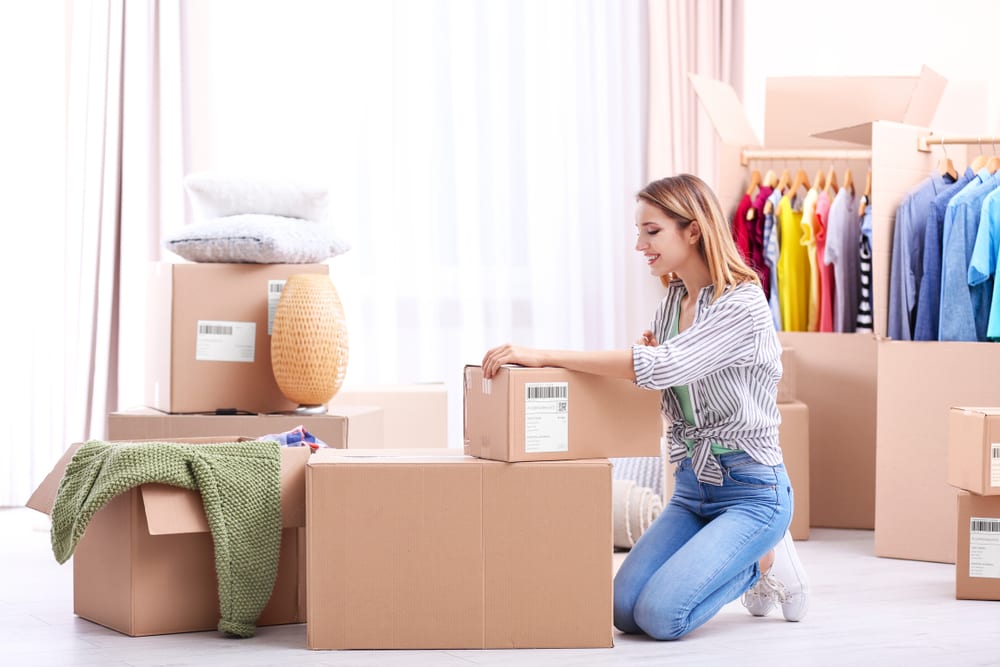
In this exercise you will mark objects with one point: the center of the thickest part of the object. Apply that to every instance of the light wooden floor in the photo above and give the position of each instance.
(865, 611)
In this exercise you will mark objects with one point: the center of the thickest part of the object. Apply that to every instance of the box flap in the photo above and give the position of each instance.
(725, 110)
(990, 412)
(172, 510)
(925, 99)
(399, 455)
(45, 495)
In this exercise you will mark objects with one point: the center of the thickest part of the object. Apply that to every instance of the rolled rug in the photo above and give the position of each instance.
(634, 508)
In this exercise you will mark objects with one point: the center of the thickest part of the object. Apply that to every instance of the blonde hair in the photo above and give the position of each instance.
(686, 199)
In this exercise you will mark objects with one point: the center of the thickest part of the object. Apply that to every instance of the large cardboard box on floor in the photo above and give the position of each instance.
(546, 414)
(786, 385)
(414, 415)
(345, 426)
(208, 342)
(146, 563)
(412, 550)
(974, 450)
(919, 383)
(977, 568)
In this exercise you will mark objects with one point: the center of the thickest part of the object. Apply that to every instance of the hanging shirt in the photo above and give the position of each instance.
(843, 233)
(826, 281)
(741, 234)
(929, 287)
(809, 243)
(793, 268)
(864, 321)
(961, 318)
(907, 254)
(756, 231)
(983, 267)
(771, 258)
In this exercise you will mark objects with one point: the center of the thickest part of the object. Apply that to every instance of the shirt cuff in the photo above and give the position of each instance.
(642, 365)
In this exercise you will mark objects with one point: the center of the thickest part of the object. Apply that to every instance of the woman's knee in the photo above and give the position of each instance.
(660, 623)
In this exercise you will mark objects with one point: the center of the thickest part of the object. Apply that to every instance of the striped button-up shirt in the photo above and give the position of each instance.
(730, 358)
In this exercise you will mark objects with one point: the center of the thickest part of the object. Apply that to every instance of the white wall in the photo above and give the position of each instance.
(866, 37)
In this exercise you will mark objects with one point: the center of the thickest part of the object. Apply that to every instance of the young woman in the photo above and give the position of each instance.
(713, 352)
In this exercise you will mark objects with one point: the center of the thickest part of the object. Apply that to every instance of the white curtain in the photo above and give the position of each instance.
(107, 139)
(700, 36)
(482, 156)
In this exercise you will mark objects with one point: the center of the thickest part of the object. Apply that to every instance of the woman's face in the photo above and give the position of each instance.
(665, 245)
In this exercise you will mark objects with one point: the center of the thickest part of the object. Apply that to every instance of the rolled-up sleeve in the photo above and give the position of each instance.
(721, 338)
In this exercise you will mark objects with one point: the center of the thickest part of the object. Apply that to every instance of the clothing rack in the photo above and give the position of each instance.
(924, 143)
(748, 154)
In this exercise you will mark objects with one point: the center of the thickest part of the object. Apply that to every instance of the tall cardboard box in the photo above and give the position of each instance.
(414, 415)
(974, 450)
(208, 342)
(450, 552)
(348, 426)
(546, 414)
(977, 569)
(146, 564)
(793, 436)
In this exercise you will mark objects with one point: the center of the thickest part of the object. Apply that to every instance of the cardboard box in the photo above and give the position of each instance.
(919, 383)
(836, 378)
(412, 550)
(977, 569)
(146, 564)
(346, 426)
(974, 450)
(546, 414)
(208, 342)
(414, 415)
(786, 385)
(793, 436)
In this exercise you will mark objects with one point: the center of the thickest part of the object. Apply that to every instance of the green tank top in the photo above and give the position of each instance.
(683, 394)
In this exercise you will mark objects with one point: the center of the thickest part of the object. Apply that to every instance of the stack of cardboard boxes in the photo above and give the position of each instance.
(145, 564)
(506, 546)
(974, 467)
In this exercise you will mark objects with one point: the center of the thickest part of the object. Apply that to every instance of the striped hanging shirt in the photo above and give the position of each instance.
(731, 359)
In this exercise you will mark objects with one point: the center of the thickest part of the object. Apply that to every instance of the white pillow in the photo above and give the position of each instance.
(257, 239)
(214, 195)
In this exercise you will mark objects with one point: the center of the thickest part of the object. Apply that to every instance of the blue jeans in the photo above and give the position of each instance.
(702, 551)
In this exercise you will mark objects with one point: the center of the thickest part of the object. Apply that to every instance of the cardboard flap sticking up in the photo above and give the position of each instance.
(925, 99)
(725, 110)
(172, 510)
(45, 495)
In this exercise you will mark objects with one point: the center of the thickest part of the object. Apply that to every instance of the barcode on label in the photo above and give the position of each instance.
(542, 391)
(276, 286)
(984, 525)
(995, 451)
(215, 329)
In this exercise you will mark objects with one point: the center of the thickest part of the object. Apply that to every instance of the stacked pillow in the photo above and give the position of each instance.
(254, 220)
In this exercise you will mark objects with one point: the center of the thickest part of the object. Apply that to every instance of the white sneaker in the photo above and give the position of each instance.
(785, 584)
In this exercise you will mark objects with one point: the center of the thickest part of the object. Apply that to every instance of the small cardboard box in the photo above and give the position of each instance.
(546, 414)
(146, 564)
(208, 342)
(974, 450)
(436, 550)
(793, 436)
(977, 568)
(344, 426)
(415, 415)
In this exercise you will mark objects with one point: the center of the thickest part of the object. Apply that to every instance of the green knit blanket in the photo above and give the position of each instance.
(240, 488)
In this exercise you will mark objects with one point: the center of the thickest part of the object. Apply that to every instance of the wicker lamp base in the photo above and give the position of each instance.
(309, 342)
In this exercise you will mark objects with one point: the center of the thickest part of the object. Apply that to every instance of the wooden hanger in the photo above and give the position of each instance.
(820, 181)
(785, 179)
(755, 182)
(993, 164)
(945, 166)
(831, 182)
(801, 179)
(849, 181)
(979, 161)
(866, 198)
(770, 178)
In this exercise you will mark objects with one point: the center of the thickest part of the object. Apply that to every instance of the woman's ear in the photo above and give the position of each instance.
(693, 232)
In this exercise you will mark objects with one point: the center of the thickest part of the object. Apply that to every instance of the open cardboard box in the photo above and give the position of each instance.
(146, 564)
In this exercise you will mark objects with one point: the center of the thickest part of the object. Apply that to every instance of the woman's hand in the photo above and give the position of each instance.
(647, 338)
(510, 354)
